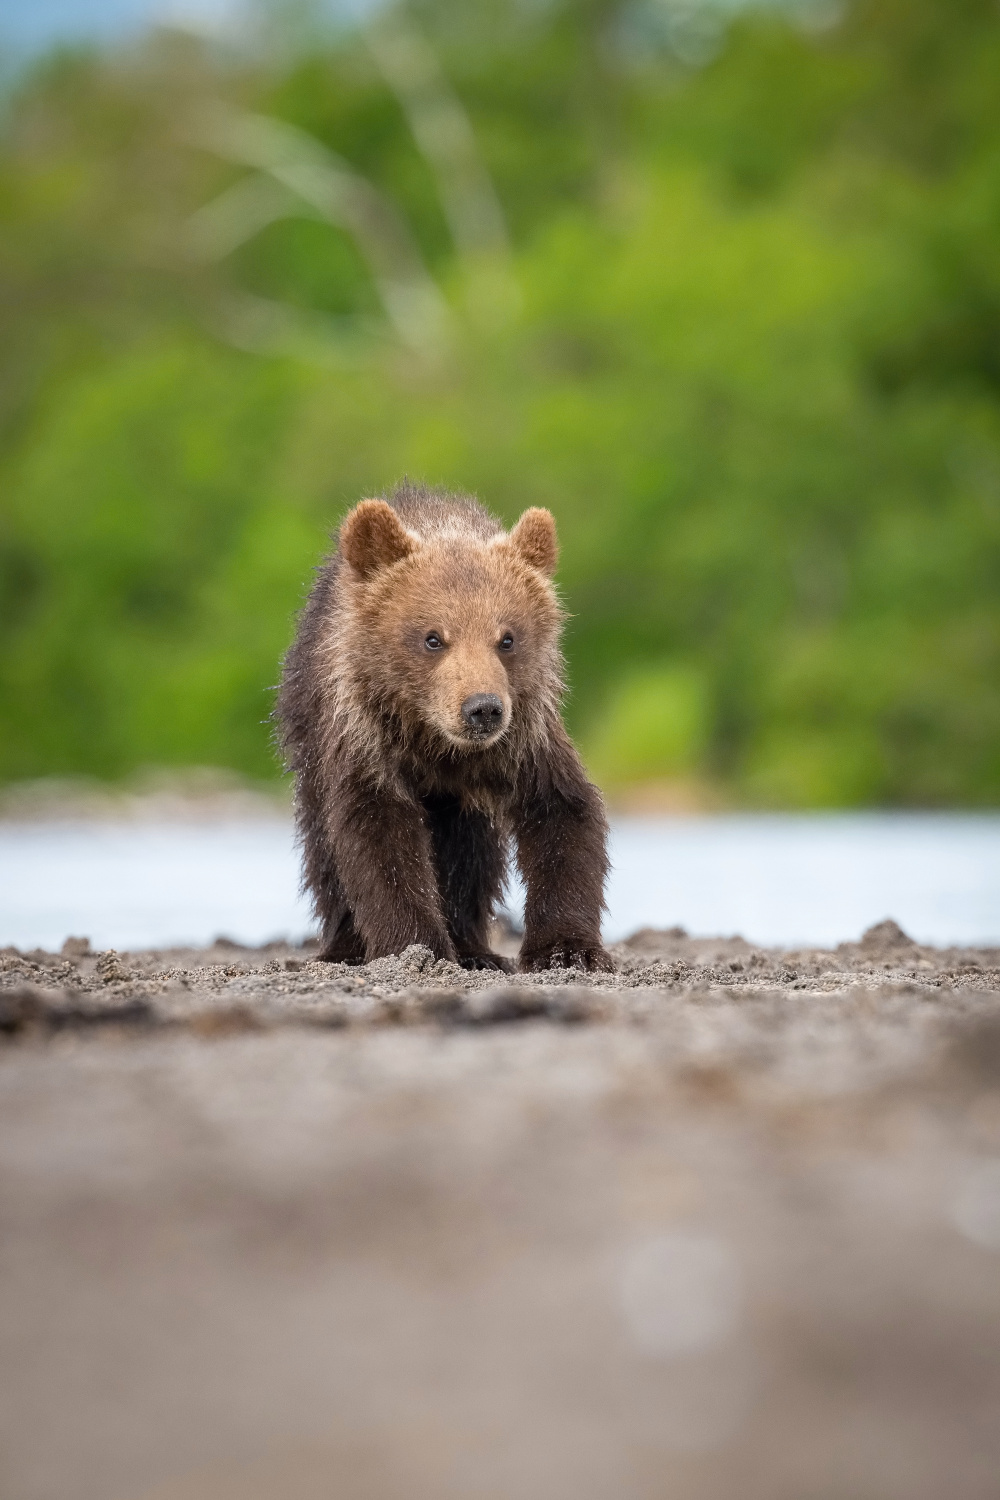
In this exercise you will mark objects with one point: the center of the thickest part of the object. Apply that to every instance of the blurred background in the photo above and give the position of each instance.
(717, 282)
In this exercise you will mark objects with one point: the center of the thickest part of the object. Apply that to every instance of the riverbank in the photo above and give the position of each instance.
(282, 984)
(727, 1221)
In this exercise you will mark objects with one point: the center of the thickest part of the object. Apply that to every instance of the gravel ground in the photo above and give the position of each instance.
(723, 1224)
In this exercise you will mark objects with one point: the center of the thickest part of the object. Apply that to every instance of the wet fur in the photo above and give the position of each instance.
(405, 826)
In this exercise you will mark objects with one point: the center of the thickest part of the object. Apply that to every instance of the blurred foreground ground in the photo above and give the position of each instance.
(728, 1225)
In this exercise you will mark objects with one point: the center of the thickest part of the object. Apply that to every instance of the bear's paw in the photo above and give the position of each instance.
(486, 961)
(566, 953)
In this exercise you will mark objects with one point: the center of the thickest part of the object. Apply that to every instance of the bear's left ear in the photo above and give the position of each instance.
(372, 536)
(534, 539)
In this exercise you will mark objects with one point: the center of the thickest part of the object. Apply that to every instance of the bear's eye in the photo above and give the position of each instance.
(433, 642)
(507, 642)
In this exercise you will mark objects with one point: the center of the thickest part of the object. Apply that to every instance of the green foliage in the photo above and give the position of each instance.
(754, 372)
(135, 507)
(655, 725)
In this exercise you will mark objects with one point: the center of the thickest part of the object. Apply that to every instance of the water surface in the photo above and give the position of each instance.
(779, 879)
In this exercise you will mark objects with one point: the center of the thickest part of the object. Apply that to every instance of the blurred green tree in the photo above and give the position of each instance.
(740, 333)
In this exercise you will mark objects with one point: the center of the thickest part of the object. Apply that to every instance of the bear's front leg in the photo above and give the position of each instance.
(562, 853)
(470, 859)
(384, 860)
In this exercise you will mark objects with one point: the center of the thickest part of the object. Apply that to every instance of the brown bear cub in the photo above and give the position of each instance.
(419, 711)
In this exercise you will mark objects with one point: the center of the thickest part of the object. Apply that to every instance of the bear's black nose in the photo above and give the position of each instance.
(483, 713)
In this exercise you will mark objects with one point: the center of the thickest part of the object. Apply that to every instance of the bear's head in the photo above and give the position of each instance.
(455, 632)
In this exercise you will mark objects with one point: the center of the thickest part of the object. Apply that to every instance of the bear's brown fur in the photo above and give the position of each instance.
(419, 711)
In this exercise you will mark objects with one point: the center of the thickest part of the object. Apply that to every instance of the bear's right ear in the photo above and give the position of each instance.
(372, 536)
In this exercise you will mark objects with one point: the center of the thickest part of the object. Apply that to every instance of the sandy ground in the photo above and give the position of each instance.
(722, 1226)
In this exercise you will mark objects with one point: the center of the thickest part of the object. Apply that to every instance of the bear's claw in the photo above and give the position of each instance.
(566, 955)
(486, 961)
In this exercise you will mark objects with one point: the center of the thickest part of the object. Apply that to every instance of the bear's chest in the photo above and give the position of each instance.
(478, 783)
